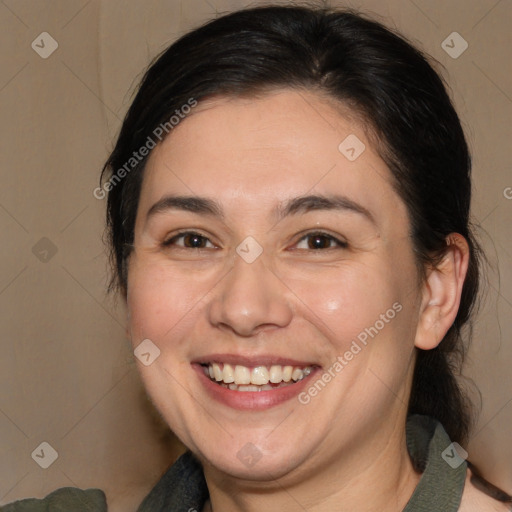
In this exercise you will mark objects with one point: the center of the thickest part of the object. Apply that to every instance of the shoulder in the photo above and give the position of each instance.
(480, 496)
(66, 498)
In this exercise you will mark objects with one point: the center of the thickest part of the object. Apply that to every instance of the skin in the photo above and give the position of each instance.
(250, 156)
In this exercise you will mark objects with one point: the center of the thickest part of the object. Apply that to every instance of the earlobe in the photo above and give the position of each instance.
(427, 333)
(442, 291)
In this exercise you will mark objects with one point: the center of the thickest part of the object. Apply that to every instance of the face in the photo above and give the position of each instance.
(278, 261)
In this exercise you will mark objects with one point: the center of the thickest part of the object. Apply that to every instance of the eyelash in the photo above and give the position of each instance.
(340, 243)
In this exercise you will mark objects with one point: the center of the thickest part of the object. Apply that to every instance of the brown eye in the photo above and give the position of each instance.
(194, 241)
(318, 241)
(190, 240)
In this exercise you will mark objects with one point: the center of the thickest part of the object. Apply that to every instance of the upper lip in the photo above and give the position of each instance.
(251, 361)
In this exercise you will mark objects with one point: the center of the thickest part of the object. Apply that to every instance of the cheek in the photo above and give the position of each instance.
(162, 302)
(345, 301)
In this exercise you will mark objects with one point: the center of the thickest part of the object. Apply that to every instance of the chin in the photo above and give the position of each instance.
(252, 464)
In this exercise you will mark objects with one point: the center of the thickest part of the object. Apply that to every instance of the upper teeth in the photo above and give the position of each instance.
(259, 375)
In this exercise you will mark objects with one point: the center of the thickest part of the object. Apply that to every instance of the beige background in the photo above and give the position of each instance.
(67, 375)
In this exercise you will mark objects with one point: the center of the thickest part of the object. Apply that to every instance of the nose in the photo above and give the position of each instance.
(250, 299)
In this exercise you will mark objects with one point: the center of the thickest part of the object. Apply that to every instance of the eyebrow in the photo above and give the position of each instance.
(309, 203)
(194, 204)
(297, 205)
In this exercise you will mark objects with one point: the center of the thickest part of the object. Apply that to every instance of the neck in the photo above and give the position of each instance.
(350, 479)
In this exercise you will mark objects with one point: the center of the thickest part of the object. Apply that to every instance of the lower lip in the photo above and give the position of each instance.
(251, 400)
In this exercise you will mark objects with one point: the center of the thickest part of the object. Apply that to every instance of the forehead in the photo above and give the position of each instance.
(259, 151)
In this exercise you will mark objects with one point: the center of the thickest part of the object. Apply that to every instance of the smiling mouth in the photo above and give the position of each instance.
(258, 378)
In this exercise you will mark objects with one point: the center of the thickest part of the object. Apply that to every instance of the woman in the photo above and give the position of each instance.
(288, 211)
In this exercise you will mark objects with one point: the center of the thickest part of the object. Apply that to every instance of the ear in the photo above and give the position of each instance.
(442, 290)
